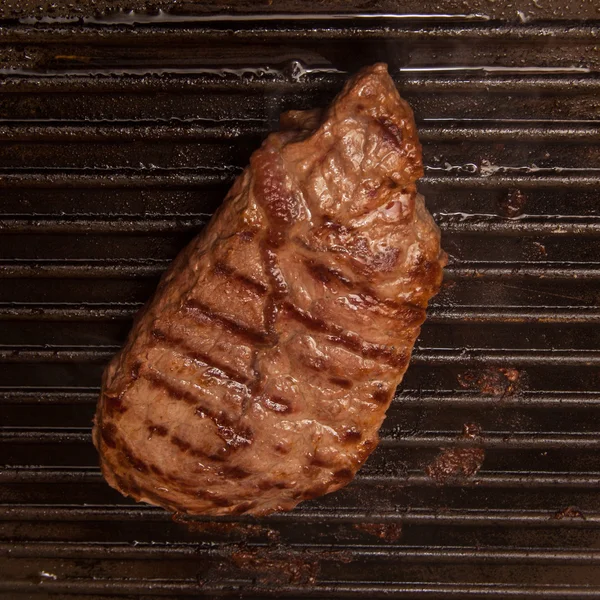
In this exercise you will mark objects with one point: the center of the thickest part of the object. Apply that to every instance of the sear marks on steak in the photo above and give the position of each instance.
(260, 373)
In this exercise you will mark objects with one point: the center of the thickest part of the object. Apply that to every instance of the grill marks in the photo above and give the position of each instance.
(382, 395)
(158, 430)
(133, 489)
(124, 453)
(222, 269)
(108, 432)
(279, 289)
(325, 274)
(232, 433)
(351, 434)
(180, 443)
(233, 472)
(349, 340)
(213, 498)
(341, 382)
(179, 345)
(160, 382)
(281, 209)
(280, 205)
(113, 405)
(203, 313)
(130, 456)
(187, 448)
(329, 276)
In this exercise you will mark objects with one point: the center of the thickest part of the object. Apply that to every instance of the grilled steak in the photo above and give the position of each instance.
(260, 373)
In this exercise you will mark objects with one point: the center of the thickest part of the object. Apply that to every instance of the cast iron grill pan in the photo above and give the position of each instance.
(116, 145)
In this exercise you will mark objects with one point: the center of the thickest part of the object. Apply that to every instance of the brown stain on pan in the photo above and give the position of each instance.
(271, 569)
(458, 462)
(571, 512)
(388, 532)
(493, 381)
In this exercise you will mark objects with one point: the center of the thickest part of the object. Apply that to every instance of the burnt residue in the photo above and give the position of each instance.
(513, 204)
(270, 568)
(539, 250)
(471, 431)
(388, 532)
(274, 564)
(493, 381)
(460, 462)
(456, 463)
(571, 512)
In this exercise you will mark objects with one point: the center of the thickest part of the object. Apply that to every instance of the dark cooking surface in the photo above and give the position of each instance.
(112, 154)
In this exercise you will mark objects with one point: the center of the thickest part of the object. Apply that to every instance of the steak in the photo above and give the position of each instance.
(260, 373)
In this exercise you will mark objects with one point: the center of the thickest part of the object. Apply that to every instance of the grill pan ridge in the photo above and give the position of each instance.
(119, 136)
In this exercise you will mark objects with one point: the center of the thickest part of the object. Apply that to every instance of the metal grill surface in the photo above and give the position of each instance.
(118, 141)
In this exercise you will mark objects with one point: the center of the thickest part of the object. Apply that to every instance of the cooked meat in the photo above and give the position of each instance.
(260, 373)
